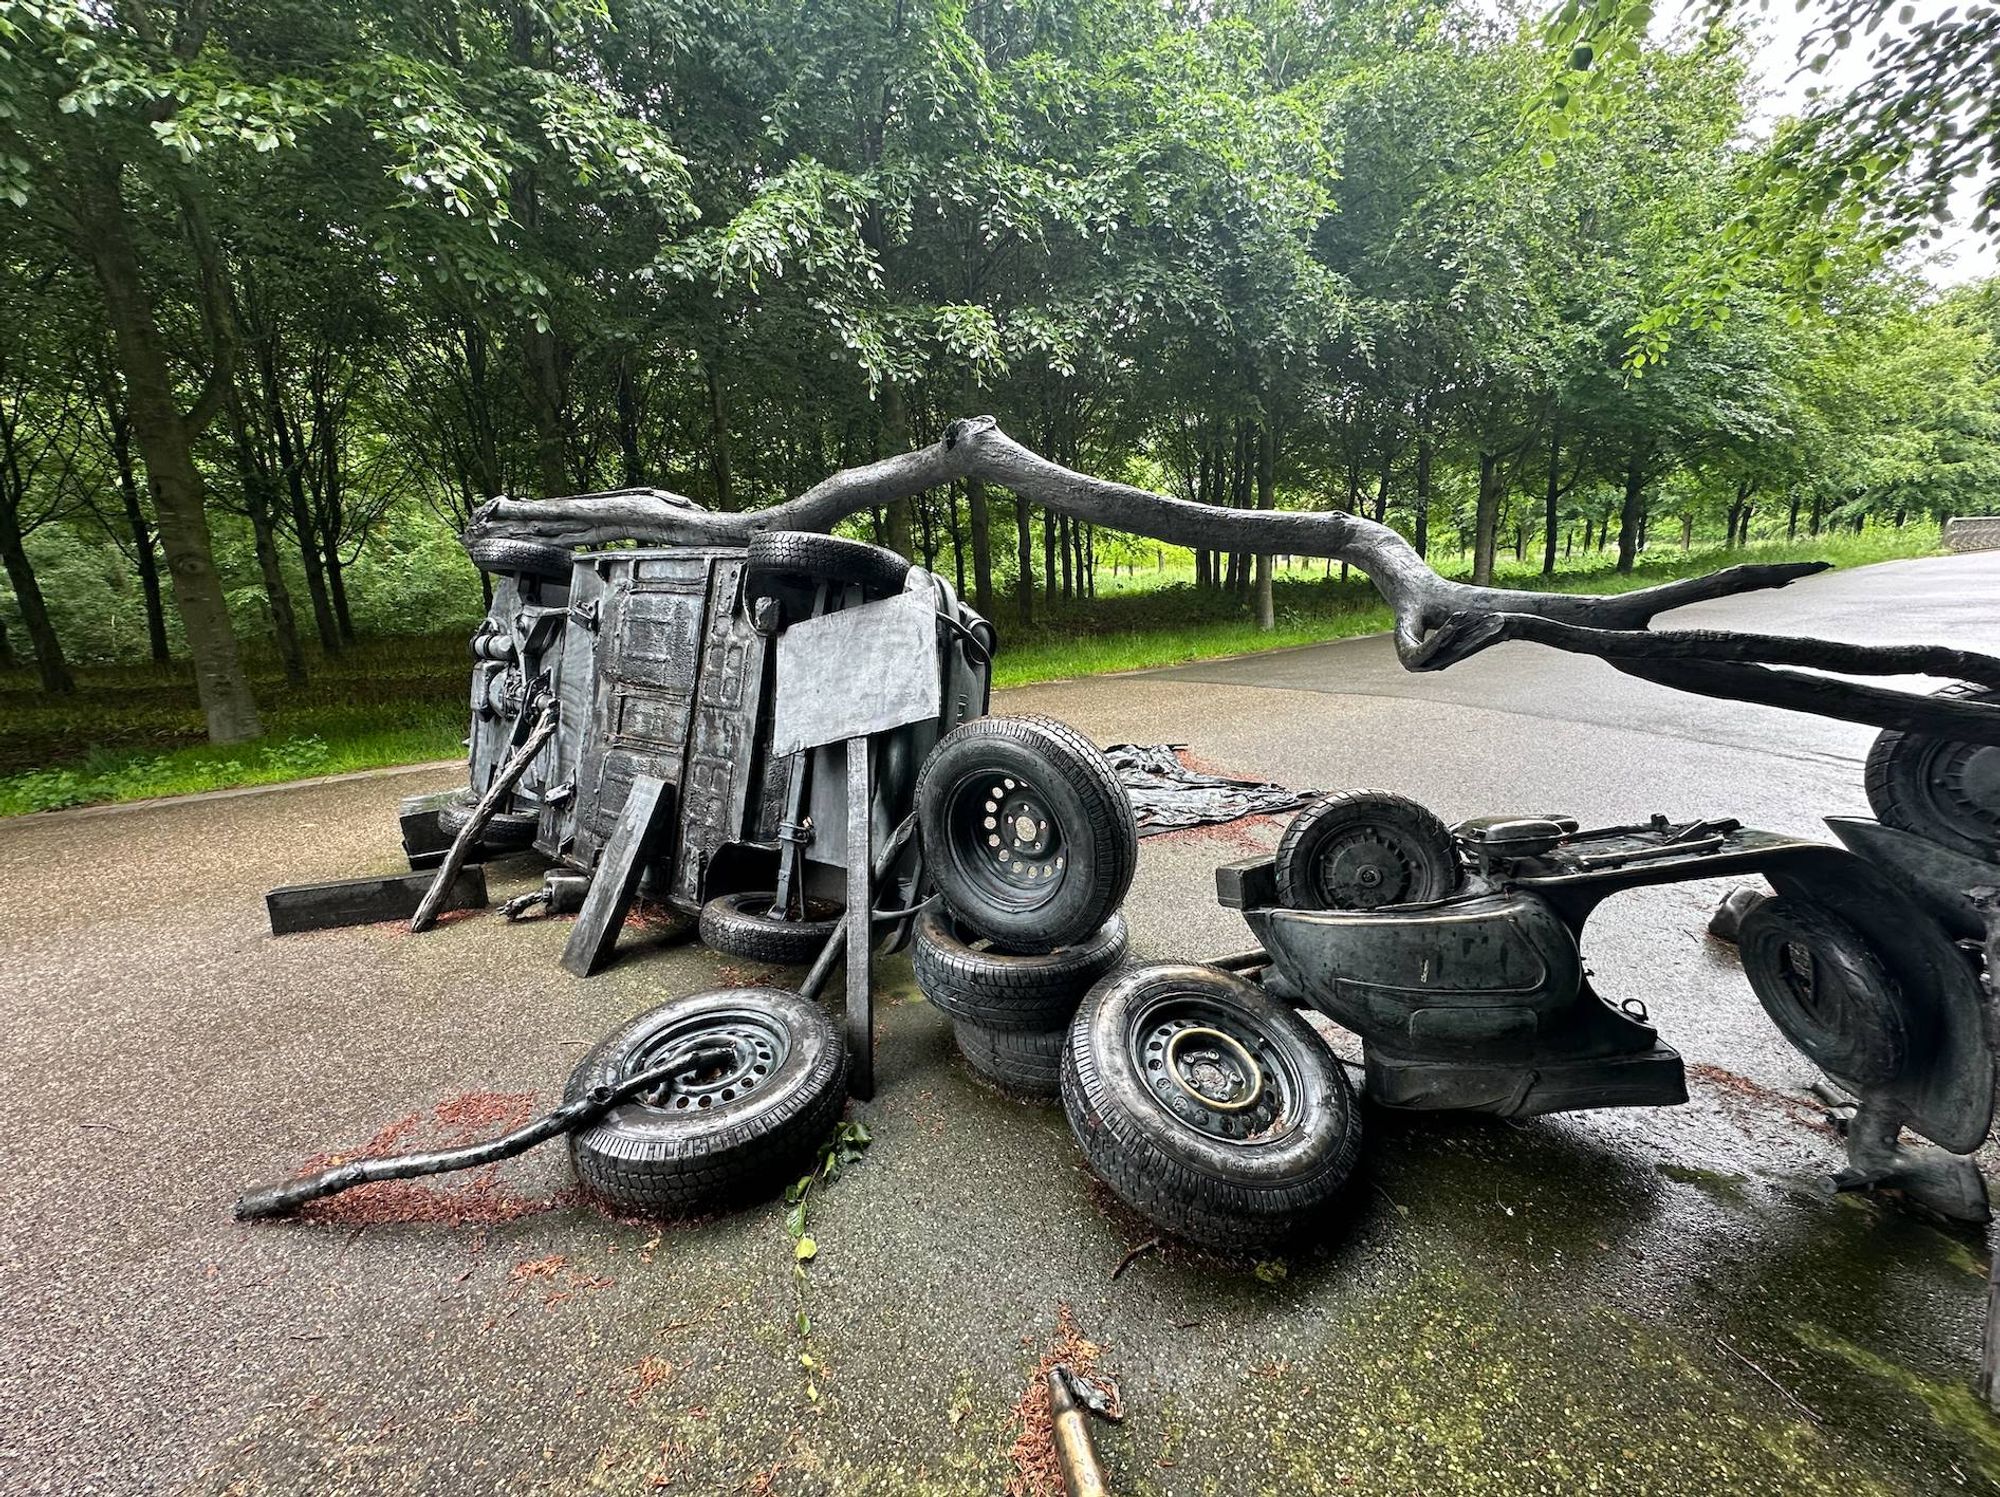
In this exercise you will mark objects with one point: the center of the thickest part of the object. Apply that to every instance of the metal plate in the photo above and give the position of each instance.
(862, 670)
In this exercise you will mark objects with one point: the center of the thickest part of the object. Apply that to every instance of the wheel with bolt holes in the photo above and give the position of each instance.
(1208, 1106)
(1027, 831)
(1363, 849)
(724, 1134)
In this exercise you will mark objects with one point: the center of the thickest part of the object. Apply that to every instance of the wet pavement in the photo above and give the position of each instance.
(1648, 1301)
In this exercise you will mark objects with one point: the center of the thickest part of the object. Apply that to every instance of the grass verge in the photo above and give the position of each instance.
(131, 733)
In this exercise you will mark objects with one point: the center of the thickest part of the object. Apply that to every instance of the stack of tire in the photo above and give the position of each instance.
(1206, 1103)
(1031, 843)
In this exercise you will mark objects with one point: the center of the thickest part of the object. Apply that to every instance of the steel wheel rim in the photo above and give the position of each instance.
(1007, 840)
(758, 1046)
(1214, 1069)
(1363, 870)
(1962, 782)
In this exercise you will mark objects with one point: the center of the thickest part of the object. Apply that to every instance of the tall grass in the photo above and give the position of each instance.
(135, 731)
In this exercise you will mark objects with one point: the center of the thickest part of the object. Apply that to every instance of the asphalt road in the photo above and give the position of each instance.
(1653, 1301)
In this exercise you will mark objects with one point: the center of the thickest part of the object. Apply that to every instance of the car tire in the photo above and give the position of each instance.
(1235, 1144)
(742, 925)
(505, 831)
(1026, 831)
(1024, 1063)
(1942, 789)
(1001, 990)
(777, 561)
(1363, 849)
(508, 556)
(737, 1132)
(1826, 989)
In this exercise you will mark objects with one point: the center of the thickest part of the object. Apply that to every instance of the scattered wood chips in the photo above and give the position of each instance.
(477, 1198)
(1742, 1092)
(1033, 1453)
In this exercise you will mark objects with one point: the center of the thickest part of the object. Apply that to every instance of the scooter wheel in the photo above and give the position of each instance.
(742, 925)
(1208, 1106)
(1826, 989)
(996, 990)
(1362, 849)
(505, 831)
(1026, 831)
(1939, 788)
(1024, 1063)
(722, 1135)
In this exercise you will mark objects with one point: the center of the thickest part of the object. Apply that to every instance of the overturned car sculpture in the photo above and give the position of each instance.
(783, 733)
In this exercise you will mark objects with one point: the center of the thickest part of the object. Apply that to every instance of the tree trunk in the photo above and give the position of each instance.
(1267, 498)
(42, 639)
(957, 539)
(718, 452)
(257, 504)
(292, 461)
(1552, 503)
(1486, 520)
(982, 546)
(1049, 557)
(145, 550)
(1422, 498)
(632, 461)
(1792, 518)
(166, 445)
(1024, 583)
(1632, 516)
(896, 432)
(1687, 531)
(336, 576)
(1065, 544)
(927, 535)
(545, 405)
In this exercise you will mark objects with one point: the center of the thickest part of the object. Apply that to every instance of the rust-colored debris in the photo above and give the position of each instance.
(647, 1375)
(475, 1199)
(1037, 1472)
(1743, 1094)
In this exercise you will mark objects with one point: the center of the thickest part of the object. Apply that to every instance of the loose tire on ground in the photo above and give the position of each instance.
(1362, 849)
(1025, 1063)
(505, 555)
(779, 563)
(1826, 989)
(742, 925)
(1208, 1106)
(723, 1136)
(505, 831)
(1940, 788)
(1026, 831)
(999, 990)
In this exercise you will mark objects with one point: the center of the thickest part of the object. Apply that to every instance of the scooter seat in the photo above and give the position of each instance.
(1512, 836)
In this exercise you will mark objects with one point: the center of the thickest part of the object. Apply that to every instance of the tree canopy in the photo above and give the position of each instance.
(292, 289)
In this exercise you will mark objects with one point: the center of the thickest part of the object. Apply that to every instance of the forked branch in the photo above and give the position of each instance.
(1438, 622)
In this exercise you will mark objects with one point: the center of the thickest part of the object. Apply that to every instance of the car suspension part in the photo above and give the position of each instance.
(287, 1198)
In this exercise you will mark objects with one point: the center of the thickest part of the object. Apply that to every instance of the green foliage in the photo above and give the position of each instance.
(1502, 286)
(845, 1146)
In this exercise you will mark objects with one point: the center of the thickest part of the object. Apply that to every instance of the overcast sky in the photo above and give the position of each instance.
(1779, 32)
